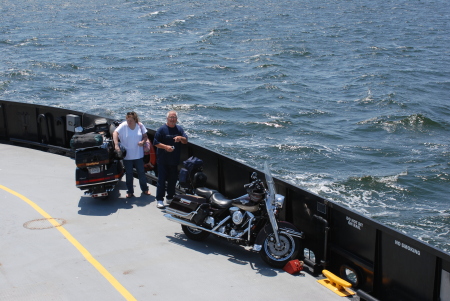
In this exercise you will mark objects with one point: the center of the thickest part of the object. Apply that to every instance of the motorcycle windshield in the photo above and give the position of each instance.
(269, 182)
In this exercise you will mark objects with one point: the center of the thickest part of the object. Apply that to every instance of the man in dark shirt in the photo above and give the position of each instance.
(168, 140)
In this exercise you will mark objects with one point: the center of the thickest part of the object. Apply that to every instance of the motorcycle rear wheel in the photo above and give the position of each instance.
(195, 234)
(278, 256)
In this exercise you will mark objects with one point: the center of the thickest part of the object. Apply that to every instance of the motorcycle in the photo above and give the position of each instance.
(99, 167)
(251, 219)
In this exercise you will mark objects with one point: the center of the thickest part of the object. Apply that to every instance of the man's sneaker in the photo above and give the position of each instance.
(160, 204)
(168, 201)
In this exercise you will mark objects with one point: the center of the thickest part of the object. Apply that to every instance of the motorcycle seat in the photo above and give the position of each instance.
(205, 192)
(218, 200)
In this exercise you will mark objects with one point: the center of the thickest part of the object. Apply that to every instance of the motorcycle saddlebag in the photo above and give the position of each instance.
(188, 203)
(187, 180)
(183, 178)
(100, 174)
(94, 156)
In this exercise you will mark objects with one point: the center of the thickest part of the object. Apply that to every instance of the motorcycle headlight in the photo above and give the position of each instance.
(279, 201)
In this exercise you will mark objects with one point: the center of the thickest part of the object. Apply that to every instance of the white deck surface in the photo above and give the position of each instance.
(131, 252)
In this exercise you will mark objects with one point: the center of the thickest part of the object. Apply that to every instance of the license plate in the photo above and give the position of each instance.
(93, 170)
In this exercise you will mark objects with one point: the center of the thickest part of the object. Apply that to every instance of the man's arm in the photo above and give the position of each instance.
(181, 139)
(167, 148)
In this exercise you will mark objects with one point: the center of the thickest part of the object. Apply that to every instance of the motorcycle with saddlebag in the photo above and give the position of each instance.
(250, 220)
(99, 167)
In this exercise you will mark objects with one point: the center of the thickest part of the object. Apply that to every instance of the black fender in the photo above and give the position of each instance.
(268, 229)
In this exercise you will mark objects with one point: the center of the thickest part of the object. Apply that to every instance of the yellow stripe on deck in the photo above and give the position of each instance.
(119, 287)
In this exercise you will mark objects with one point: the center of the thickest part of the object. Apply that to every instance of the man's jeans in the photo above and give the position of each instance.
(167, 173)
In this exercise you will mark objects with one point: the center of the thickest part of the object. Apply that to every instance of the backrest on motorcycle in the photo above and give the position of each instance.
(199, 179)
(191, 176)
(186, 181)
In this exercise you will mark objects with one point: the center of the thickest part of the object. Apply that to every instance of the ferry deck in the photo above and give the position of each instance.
(57, 244)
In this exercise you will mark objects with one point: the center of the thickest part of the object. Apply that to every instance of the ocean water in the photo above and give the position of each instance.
(347, 99)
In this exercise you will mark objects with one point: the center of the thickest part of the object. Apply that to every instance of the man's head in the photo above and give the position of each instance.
(172, 118)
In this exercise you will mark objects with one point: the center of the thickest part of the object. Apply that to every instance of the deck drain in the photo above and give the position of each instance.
(43, 223)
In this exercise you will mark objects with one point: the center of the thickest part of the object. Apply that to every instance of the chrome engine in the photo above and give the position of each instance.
(210, 221)
(234, 226)
(236, 215)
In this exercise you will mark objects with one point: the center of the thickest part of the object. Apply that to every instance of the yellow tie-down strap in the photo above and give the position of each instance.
(336, 284)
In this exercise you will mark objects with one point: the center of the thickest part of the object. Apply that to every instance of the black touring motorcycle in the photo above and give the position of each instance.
(251, 219)
(99, 167)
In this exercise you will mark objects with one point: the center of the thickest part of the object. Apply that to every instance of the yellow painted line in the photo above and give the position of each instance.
(119, 287)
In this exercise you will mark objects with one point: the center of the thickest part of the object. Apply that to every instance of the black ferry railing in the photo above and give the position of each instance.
(380, 262)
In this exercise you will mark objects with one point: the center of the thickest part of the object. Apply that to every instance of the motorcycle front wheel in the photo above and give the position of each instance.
(194, 234)
(278, 255)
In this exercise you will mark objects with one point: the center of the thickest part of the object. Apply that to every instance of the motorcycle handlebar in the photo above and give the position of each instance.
(254, 184)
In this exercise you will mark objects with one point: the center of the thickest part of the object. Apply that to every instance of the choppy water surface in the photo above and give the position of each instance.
(347, 99)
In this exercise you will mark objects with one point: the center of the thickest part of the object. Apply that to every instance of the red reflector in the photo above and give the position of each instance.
(97, 180)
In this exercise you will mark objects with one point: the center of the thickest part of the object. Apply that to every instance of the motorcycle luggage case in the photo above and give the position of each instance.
(93, 156)
(188, 203)
(87, 177)
(86, 140)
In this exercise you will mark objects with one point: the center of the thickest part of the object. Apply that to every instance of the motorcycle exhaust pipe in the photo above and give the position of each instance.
(189, 224)
(170, 217)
